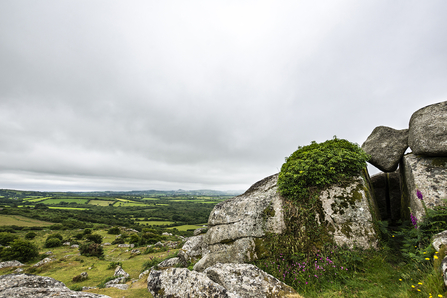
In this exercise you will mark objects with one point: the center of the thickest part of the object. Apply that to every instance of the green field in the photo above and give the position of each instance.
(58, 201)
(35, 200)
(21, 221)
(100, 202)
(68, 208)
(128, 204)
(150, 199)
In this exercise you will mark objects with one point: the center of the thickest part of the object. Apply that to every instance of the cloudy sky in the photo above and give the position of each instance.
(135, 95)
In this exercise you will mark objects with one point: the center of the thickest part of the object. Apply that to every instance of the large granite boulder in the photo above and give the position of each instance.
(352, 212)
(246, 280)
(28, 285)
(218, 281)
(386, 147)
(429, 176)
(428, 130)
(180, 283)
(387, 192)
(235, 225)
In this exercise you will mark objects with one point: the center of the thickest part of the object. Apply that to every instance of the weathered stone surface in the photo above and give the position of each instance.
(246, 280)
(239, 251)
(192, 249)
(439, 239)
(10, 264)
(43, 262)
(120, 272)
(180, 283)
(386, 147)
(429, 175)
(235, 223)
(172, 262)
(444, 270)
(351, 211)
(200, 231)
(428, 130)
(28, 285)
(387, 192)
(118, 286)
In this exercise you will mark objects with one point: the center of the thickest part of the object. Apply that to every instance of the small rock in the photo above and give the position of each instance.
(66, 243)
(49, 253)
(10, 264)
(106, 244)
(74, 246)
(44, 261)
(135, 251)
(118, 286)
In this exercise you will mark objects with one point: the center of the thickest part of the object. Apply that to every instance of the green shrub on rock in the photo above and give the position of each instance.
(318, 165)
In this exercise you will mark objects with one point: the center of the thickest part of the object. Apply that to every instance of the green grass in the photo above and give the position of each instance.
(150, 199)
(58, 201)
(21, 221)
(35, 200)
(68, 208)
(156, 223)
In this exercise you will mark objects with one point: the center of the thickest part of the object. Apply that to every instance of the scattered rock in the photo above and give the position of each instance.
(123, 245)
(428, 130)
(48, 253)
(135, 252)
(28, 285)
(158, 244)
(106, 244)
(10, 264)
(120, 272)
(66, 243)
(74, 246)
(386, 147)
(246, 280)
(142, 274)
(166, 234)
(180, 282)
(18, 270)
(43, 262)
(118, 286)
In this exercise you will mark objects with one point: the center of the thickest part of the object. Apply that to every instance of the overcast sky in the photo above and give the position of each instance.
(136, 95)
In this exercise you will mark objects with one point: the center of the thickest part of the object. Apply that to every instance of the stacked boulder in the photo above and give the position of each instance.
(424, 169)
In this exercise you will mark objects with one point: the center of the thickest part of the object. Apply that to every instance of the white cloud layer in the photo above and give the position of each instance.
(127, 95)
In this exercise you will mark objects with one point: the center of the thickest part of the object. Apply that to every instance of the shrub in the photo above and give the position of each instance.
(118, 240)
(87, 231)
(79, 236)
(96, 238)
(20, 250)
(57, 235)
(114, 231)
(7, 238)
(318, 165)
(91, 249)
(113, 265)
(76, 288)
(30, 235)
(134, 238)
(53, 242)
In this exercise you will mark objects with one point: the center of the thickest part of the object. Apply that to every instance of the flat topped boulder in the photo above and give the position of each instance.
(428, 130)
(29, 285)
(386, 147)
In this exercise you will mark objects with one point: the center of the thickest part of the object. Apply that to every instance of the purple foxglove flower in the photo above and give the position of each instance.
(419, 194)
(414, 220)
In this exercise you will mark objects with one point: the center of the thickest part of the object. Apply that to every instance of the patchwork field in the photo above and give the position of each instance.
(100, 202)
(58, 201)
(17, 220)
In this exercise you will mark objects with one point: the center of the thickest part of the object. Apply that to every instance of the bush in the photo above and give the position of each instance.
(319, 165)
(53, 242)
(96, 238)
(79, 236)
(20, 250)
(91, 249)
(114, 231)
(134, 239)
(30, 235)
(57, 235)
(118, 240)
(7, 238)
(87, 231)
(113, 265)
(76, 288)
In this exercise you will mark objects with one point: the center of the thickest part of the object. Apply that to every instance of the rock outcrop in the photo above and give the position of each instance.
(218, 281)
(428, 130)
(245, 280)
(28, 285)
(429, 176)
(191, 251)
(351, 211)
(386, 147)
(235, 224)
(10, 264)
(180, 282)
